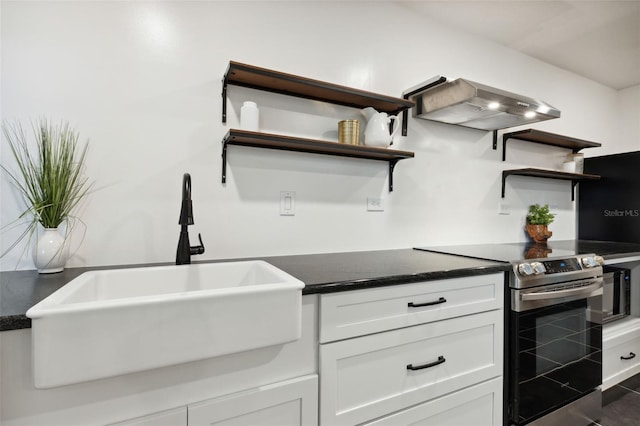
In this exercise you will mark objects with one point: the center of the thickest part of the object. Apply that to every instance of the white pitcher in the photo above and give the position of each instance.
(377, 131)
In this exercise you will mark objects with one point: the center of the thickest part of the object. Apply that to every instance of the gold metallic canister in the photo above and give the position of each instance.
(349, 132)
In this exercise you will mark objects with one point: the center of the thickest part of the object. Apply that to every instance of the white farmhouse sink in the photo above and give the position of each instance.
(112, 322)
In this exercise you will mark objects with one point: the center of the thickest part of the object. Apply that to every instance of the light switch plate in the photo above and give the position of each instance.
(375, 204)
(287, 203)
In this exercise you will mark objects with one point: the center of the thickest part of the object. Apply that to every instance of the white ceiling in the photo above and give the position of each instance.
(598, 39)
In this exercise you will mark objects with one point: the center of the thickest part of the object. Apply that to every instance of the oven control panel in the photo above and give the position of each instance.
(557, 266)
(562, 265)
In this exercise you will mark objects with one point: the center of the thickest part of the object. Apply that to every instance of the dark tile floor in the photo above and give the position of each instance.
(621, 404)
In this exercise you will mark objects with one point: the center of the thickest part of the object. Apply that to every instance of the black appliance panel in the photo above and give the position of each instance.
(609, 208)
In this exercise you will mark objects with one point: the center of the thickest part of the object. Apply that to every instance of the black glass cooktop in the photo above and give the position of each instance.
(506, 252)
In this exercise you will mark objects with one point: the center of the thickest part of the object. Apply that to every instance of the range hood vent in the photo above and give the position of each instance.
(466, 103)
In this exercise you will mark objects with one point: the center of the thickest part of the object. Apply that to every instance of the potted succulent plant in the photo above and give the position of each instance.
(538, 220)
(49, 177)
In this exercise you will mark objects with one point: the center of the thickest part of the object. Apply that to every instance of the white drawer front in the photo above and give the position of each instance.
(175, 417)
(479, 405)
(356, 313)
(620, 362)
(368, 377)
(290, 403)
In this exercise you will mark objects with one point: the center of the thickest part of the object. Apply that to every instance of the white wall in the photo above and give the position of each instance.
(629, 129)
(142, 81)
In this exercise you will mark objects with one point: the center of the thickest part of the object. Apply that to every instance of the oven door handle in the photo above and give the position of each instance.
(546, 295)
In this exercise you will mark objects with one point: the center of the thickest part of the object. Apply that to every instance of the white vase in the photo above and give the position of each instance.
(50, 252)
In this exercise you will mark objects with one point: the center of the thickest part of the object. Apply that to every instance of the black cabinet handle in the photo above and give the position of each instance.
(631, 356)
(431, 364)
(417, 305)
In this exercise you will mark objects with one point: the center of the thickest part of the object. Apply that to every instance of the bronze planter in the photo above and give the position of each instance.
(539, 233)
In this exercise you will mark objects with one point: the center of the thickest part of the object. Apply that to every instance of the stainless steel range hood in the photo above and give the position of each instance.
(466, 103)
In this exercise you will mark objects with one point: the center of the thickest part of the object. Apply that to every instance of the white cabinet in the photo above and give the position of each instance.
(356, 313)
(477, 405)
(175, 417)
(133, 399)
(386, 372)
(621, 338)
(621, 351)
(290, 403)
(411, 352)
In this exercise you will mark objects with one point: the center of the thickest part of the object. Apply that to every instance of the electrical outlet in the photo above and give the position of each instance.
(287, 203)
(503, 208)
(375, 204)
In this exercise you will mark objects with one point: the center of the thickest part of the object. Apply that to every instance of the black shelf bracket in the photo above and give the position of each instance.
(224, 161)
(392, 165)
(495, 141)
(224, 95)
(504, 181)
(412, 92)
(505, 137)
(224, 101)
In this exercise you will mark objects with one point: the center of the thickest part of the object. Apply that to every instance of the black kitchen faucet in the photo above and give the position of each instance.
(185, 250)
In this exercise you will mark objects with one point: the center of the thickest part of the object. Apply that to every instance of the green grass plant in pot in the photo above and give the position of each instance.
(538, 220)
(49, 177)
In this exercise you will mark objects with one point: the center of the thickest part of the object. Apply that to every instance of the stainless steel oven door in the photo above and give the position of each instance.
(547, 295)
(555, 347)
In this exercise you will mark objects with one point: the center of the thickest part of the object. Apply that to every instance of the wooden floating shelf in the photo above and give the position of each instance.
(292, 85)
(548, 174)
(313, 146)
(545, 138)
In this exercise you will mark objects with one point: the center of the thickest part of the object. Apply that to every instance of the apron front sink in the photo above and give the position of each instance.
(113, 322)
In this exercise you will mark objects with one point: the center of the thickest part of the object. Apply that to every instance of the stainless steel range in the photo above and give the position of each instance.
(554, 341)
(553, 337)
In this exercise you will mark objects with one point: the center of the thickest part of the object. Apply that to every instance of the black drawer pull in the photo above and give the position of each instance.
(417, 305)
(431, 364)
(631, 356)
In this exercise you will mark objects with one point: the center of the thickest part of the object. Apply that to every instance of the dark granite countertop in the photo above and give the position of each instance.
(321, 273)
(506, 252)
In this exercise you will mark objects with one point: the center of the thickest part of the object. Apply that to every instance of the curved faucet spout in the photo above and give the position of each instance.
(186, 212)
(185, 250)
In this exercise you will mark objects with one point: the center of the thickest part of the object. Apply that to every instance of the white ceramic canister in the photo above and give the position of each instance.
(249, 116)
(569, 166)
(578, 158)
